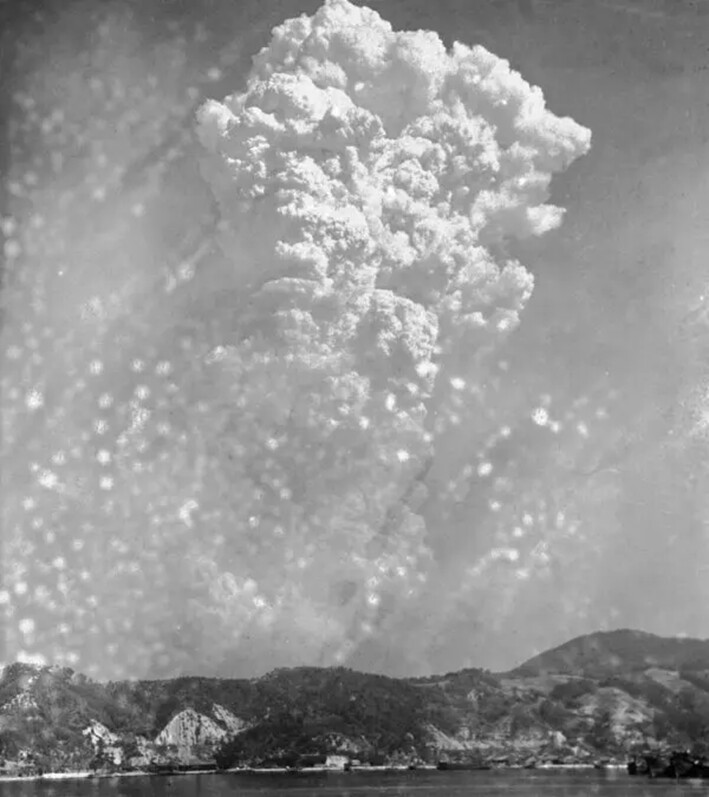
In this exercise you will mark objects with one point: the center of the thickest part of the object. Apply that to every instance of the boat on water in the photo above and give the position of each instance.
(678, 765)
(683, 765)
(461, 765)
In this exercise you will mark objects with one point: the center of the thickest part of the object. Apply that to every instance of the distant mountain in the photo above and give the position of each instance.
(610, 652)
(601, 695)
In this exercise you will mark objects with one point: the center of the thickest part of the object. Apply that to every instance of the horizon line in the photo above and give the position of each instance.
(33, 661)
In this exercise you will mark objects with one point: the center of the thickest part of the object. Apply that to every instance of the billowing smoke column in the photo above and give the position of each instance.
(367, 181)
(292, 453)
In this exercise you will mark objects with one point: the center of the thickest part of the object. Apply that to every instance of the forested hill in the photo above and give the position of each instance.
(606, 653)
(603, 695)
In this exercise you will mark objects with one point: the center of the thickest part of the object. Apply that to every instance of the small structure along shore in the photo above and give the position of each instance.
(178, 771)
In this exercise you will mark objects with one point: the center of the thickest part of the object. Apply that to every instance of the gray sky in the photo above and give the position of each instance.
(611, 507)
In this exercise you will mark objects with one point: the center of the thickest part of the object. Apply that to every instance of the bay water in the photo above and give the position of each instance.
(522, 783)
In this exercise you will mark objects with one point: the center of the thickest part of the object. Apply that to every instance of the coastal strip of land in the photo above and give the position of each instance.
(89, 775)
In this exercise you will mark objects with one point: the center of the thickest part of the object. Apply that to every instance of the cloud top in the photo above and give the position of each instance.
(367, 180)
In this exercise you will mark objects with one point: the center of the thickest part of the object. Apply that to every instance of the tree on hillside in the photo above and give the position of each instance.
(570, 693)
(554, 713)
(600, 732)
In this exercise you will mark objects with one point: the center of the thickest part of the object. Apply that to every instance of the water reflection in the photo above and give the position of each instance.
(421, 784)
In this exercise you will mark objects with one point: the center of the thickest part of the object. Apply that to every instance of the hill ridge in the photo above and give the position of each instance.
(604, 694)
(605, 651)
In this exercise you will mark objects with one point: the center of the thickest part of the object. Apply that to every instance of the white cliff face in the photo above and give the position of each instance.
(96, 731)
(188, 729)
(445, 742)
(102, 740)
(231, 722)
(186, 735)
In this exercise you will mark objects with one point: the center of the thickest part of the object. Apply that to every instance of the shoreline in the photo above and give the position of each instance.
(88, 775)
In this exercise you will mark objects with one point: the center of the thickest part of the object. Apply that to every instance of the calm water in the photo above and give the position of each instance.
(421, 784)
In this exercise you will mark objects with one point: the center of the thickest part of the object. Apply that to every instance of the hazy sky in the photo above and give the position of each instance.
(600, 517)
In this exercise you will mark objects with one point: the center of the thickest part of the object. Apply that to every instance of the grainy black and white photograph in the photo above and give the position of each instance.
(354, 398)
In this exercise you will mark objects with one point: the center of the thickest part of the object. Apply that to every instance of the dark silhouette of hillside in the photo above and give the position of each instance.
(604, 694)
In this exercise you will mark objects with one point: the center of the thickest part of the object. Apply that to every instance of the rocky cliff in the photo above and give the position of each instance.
(607, 695)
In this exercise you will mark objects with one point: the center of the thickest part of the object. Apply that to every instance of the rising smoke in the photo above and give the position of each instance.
(262, 460)
(367, 182)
